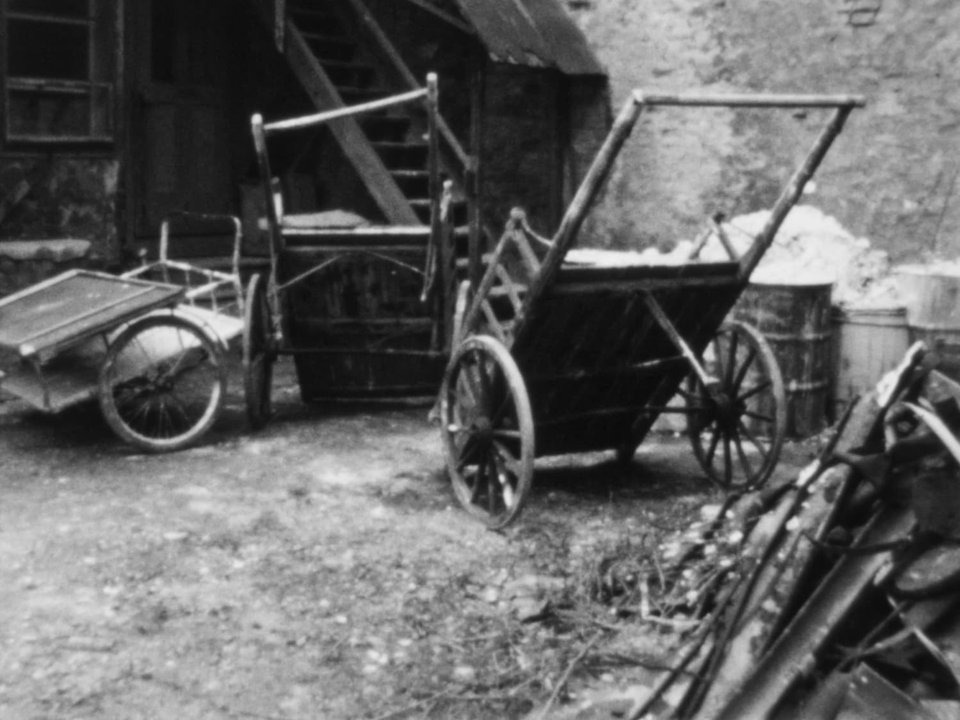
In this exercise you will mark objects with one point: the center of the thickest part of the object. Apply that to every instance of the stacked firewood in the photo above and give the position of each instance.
(836, 595)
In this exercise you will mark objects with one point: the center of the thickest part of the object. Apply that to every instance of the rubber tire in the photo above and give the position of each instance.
(211, 402)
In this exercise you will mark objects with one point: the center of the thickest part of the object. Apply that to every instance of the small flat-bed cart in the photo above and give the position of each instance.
(560, 358)
(148, 344)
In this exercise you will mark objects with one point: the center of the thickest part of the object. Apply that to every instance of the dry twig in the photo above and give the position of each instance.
(566, 675)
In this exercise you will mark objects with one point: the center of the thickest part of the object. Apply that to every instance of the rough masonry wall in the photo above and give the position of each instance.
(892, 174)
(67, 198)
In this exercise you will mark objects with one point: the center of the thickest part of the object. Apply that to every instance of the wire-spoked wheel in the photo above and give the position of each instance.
(162, 383)
(259, 353)
(737, 428)
(487, 429)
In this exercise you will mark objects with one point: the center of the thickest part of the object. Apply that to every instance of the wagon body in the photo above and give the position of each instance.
(598, 366)
(363, 307)
(558, 357)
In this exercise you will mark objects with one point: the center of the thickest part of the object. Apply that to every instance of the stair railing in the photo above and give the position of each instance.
(405, 76)
(466, 164)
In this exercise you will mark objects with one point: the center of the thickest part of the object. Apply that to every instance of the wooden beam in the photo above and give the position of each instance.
(749, 100)
(444, 15)
(346, 130)
(628, 287)
(792, 192)
(577, 210)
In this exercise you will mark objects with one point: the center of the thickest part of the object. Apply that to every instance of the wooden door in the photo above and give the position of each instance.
(181, 154)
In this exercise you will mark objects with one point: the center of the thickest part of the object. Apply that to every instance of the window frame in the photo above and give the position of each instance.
(96, 92)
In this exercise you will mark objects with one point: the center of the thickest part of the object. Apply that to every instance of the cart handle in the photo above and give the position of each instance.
(749, 100)
(233, 220)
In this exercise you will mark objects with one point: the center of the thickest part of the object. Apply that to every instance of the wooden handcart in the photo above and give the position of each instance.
(364, 308)
(560, 358)
(148, 344)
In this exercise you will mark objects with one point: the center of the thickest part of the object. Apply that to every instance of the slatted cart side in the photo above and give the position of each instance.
(364, 310)
(601, 361)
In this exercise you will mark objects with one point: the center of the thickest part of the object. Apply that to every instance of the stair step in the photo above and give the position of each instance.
(348, 74)
(331, 48)
(402, 155)
(421, 206)
(386, 128)
(317, 20)
(412, 183)
(356, 95)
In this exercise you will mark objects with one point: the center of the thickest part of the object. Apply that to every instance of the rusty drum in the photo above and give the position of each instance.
(795, 320)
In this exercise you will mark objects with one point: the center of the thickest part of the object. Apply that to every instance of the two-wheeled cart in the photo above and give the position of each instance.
(558, 357)
(148, 344)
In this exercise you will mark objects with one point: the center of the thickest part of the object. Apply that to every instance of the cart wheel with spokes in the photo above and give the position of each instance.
(259, 353)
(737, 428)
(487, 429)
(162, 383)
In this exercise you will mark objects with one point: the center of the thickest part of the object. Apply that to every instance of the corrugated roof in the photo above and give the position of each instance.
(538, 33)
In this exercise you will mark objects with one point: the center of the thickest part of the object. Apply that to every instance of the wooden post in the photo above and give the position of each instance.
(433, 151)
(472, 179)
(434, 252)
(573, 219)
(279, 24)
(792, 192)
(266, 183)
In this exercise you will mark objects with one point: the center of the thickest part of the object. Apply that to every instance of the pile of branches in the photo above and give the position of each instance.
(836, 595)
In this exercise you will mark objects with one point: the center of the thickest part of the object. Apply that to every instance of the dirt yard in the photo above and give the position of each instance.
(317, 569)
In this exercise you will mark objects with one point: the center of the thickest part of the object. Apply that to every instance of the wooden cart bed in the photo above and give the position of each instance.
(598, 366)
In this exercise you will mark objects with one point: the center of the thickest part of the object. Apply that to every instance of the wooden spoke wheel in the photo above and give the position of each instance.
(259, 353)
(737, 427)
(162, 383)
(487, 429)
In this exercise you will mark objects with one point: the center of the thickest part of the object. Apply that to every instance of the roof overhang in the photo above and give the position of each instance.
(536, 33)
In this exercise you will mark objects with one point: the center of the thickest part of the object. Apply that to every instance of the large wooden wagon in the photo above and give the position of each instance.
(363, 307)
(556, 357)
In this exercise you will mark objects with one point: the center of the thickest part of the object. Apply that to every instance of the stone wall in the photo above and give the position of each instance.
(892, 175)
(61, 197)
(26, 262)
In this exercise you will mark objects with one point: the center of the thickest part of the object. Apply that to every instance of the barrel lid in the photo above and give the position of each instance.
(867, 312)
(946, 269)
(801, 282)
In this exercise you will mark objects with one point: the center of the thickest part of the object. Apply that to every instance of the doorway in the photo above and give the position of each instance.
(180, 153)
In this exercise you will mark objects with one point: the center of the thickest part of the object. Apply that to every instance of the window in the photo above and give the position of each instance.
(59, 70)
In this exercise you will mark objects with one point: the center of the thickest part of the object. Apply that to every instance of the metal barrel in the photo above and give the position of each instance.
(795, 320)
(931, 295)
(868, 343)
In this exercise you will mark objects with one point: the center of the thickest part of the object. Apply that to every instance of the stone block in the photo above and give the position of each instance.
(26, 262)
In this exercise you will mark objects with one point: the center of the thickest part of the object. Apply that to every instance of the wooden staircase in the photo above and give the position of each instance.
(327, 45)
